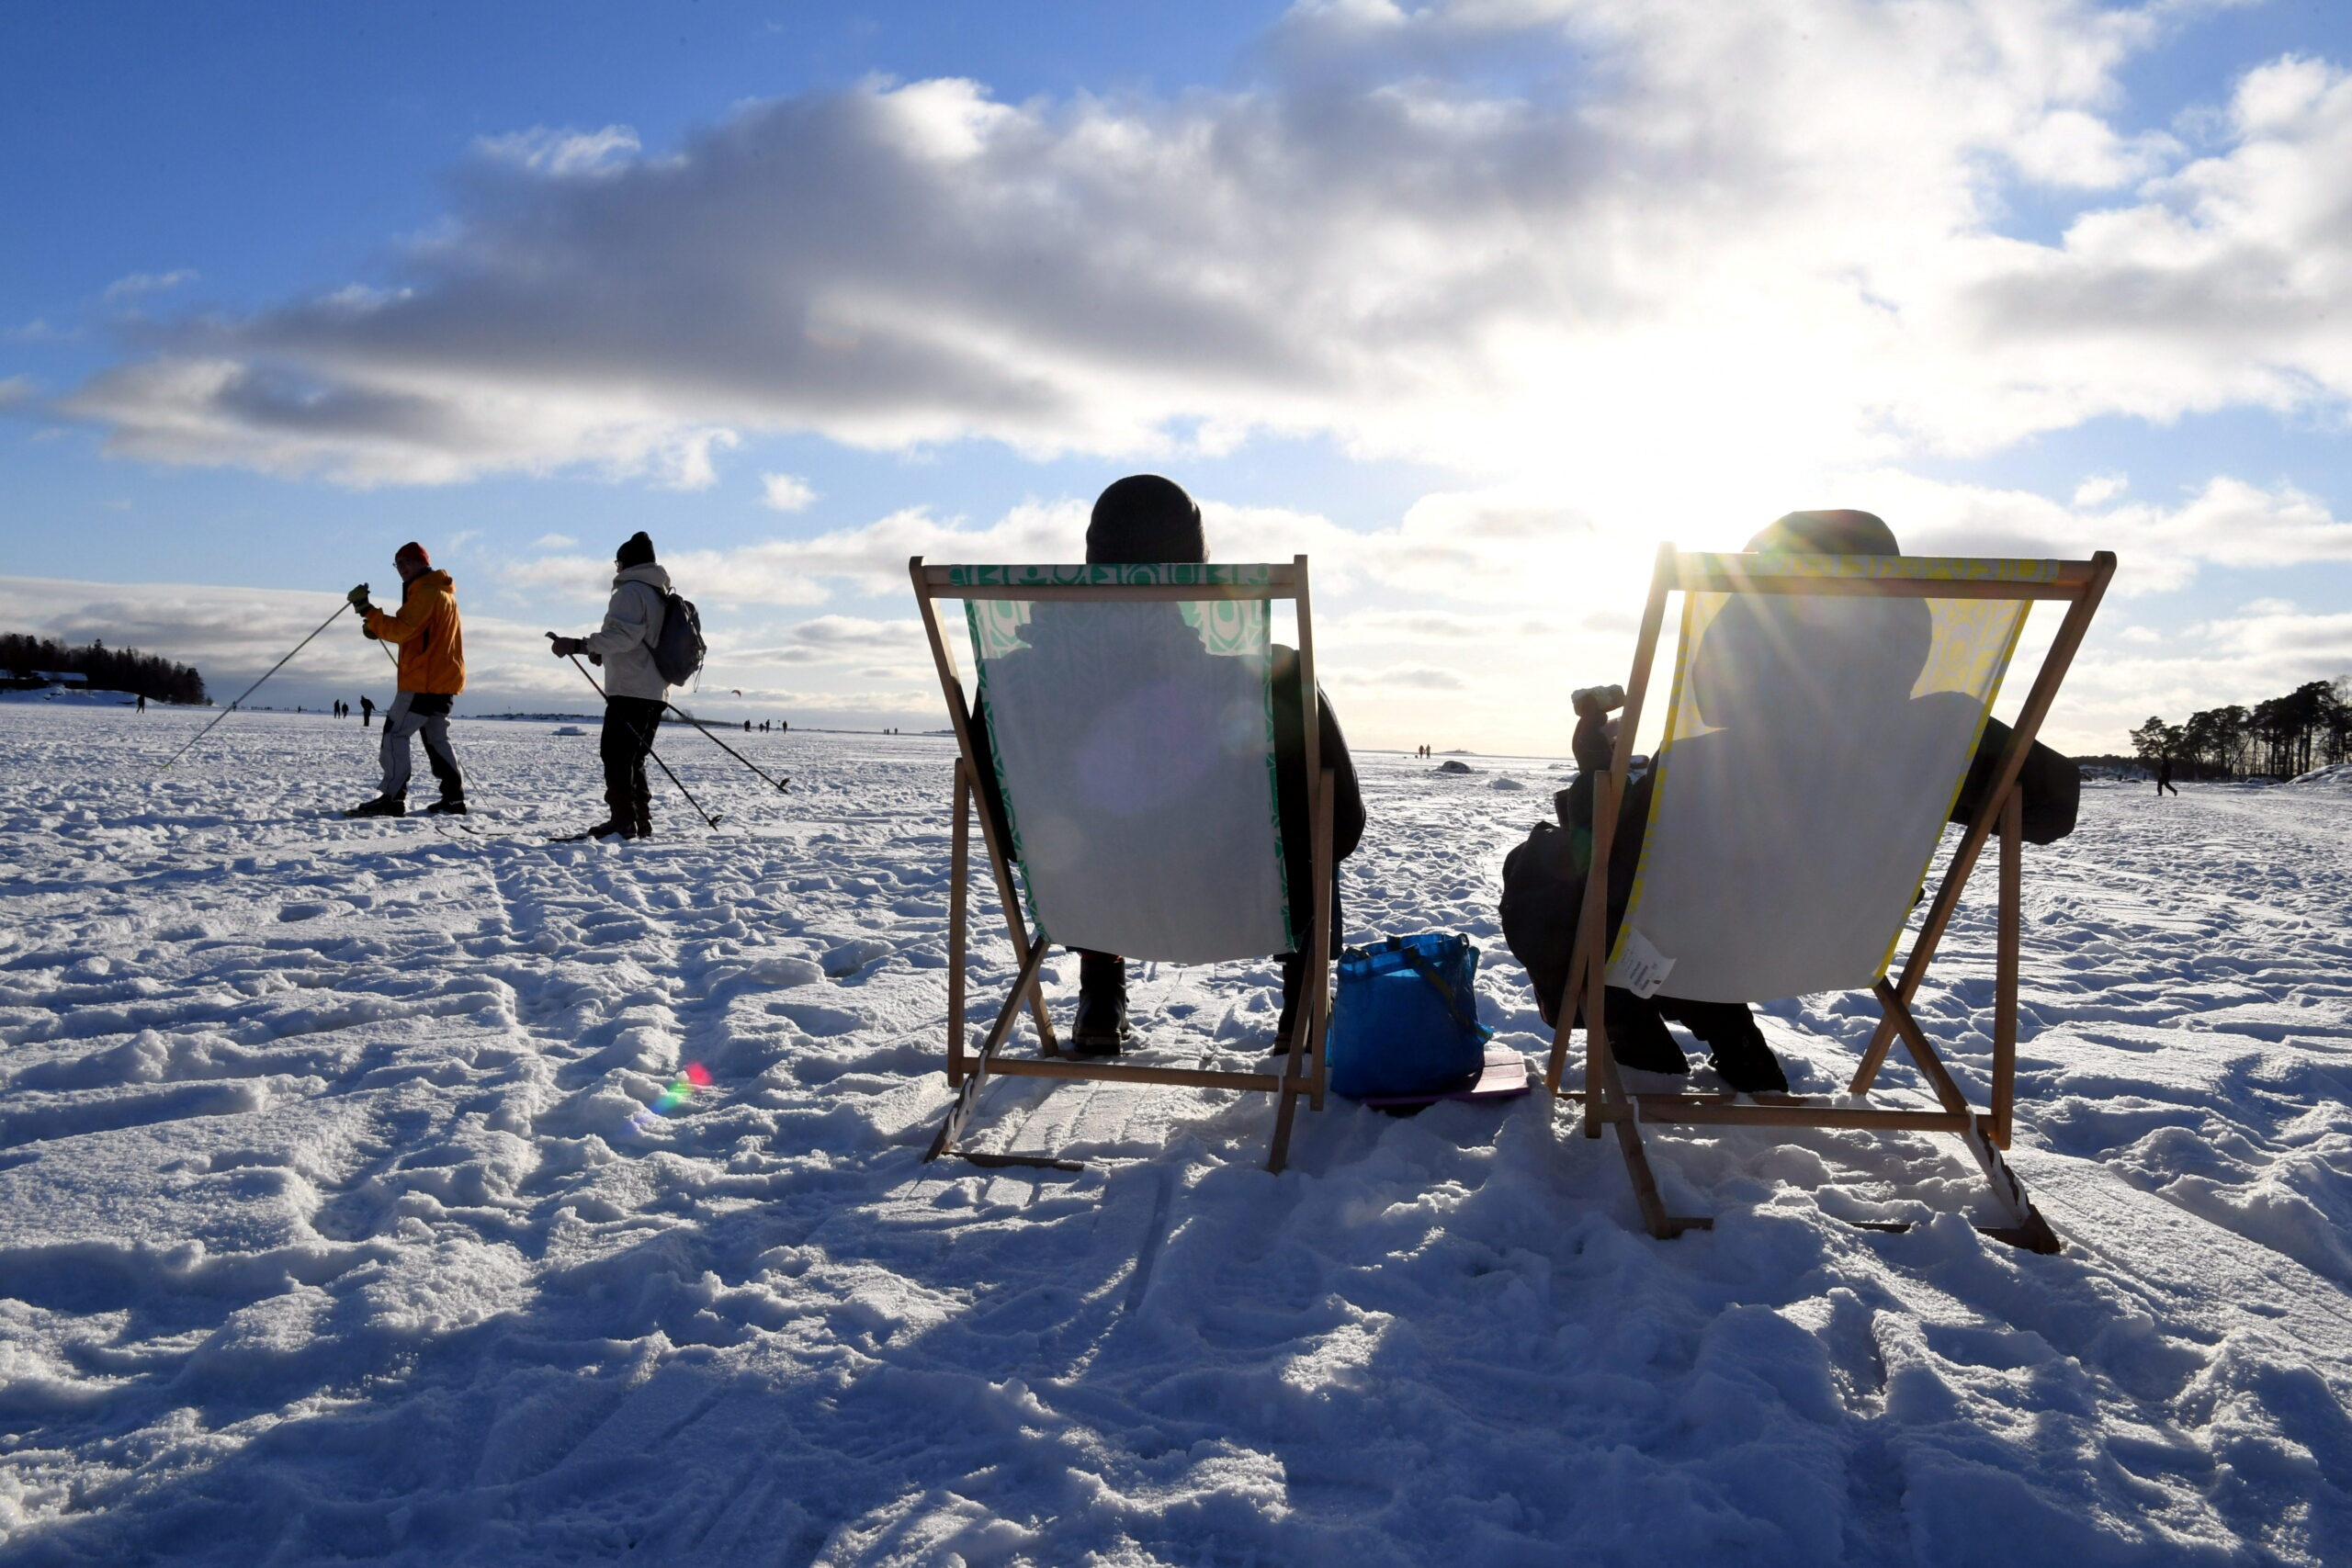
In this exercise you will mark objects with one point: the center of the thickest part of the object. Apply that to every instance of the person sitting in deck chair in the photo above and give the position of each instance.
(1129, 753)
(1777, 640)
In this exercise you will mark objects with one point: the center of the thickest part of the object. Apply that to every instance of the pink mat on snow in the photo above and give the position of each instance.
(1508, 1076)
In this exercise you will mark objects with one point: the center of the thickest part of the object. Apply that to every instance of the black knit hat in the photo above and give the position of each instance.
(1829, 534)
(1143, 519)
(637, 550)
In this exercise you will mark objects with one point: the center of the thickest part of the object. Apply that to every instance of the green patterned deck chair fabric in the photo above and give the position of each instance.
(1124, 718)
(1132, 746)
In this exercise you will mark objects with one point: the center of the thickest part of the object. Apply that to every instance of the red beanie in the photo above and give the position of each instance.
(409, 549)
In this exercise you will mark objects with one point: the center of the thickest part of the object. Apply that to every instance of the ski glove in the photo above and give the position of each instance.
(565, 647)
(358, 597)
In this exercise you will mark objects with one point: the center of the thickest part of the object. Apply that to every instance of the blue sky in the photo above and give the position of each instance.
(1473, 303)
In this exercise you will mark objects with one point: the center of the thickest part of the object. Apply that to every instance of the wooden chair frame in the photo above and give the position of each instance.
(1303, 1069)
(2080, 585)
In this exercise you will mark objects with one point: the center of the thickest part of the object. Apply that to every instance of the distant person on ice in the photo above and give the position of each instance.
(433, 671)
(635, 692)
(1145, 519)
(367, 712)
(2163, 776)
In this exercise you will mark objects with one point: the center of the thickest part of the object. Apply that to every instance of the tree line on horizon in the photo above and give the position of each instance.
(105, 668)
(2308, 727)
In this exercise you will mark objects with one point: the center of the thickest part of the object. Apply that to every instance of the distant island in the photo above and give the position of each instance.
(29, 661)
(2308, 727)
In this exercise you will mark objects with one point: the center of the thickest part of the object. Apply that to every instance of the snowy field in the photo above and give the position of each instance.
(334, 1223)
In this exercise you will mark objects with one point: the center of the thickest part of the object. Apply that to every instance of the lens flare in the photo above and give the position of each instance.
(694, 1076)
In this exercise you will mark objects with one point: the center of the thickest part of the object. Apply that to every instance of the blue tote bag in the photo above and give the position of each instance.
(1405, 1021)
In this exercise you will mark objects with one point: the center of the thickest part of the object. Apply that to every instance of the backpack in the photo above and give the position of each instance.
(678, 653)
(1543, 899)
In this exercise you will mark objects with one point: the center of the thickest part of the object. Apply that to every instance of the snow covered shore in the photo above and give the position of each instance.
(333, 1224)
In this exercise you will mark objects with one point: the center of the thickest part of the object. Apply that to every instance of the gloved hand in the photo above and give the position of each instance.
(358, 597)
(1594, 702)
(565, 647)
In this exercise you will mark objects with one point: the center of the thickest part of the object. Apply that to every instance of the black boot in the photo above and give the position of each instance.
(1748, 1066)
(1102, 1024)
(448, 805)
(382, 806)
(1735, 1046)
(1638, 1037)
(607, 828)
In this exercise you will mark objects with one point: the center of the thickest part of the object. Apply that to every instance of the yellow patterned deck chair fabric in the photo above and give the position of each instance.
(1814, 747)
(1822, 719)
(1124, 717)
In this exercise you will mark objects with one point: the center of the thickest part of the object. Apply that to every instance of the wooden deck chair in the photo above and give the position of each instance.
(1130, 734)
(1823, 716)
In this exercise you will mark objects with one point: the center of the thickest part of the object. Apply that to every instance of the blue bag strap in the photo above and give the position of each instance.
(1422, 967)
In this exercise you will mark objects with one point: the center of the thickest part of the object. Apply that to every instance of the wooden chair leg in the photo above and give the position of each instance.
(1278, 1154)
(959, 874)
(1605, 1097)
(1626, 1113)
(2023, 1226)
(968, 1099)
(1302, 1058)
(1915, 1040)
(2005, 967)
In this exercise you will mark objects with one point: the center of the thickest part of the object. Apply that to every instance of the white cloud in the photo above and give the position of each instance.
(2297, 644)
(282, 416)
(562, 154)
(2099, 488)
(785, 493)
(581, 579)
(2229, 281)
(1685, 245)
(232, 635)
(139, 284)
(2228, 524)
(555, 542)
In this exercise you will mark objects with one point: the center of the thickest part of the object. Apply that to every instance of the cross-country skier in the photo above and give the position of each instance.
(634, 692)
(433, 671)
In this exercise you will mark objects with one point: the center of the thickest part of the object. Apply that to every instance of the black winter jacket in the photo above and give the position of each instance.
(1544, 879)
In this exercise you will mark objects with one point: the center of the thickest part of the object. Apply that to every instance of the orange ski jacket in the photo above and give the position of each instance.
(432, 644)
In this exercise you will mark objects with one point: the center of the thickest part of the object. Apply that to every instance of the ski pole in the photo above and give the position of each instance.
(707, 817)
(249, 690)
(781, 784)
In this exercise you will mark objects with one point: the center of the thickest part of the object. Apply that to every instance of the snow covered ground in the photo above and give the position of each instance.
(333, 1225)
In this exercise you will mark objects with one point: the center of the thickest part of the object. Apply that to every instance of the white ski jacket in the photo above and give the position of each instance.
(632, 625)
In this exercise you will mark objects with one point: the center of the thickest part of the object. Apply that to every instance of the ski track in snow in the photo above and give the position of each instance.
(325, 1233)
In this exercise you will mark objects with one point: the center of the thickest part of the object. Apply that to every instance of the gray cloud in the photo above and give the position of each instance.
(1679, 229)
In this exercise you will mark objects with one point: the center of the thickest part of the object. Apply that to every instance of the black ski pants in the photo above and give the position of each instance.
(627, 741)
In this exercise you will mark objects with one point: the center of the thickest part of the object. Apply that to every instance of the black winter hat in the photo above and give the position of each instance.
(1144, 519)
(1829, 534)
(637, 550)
